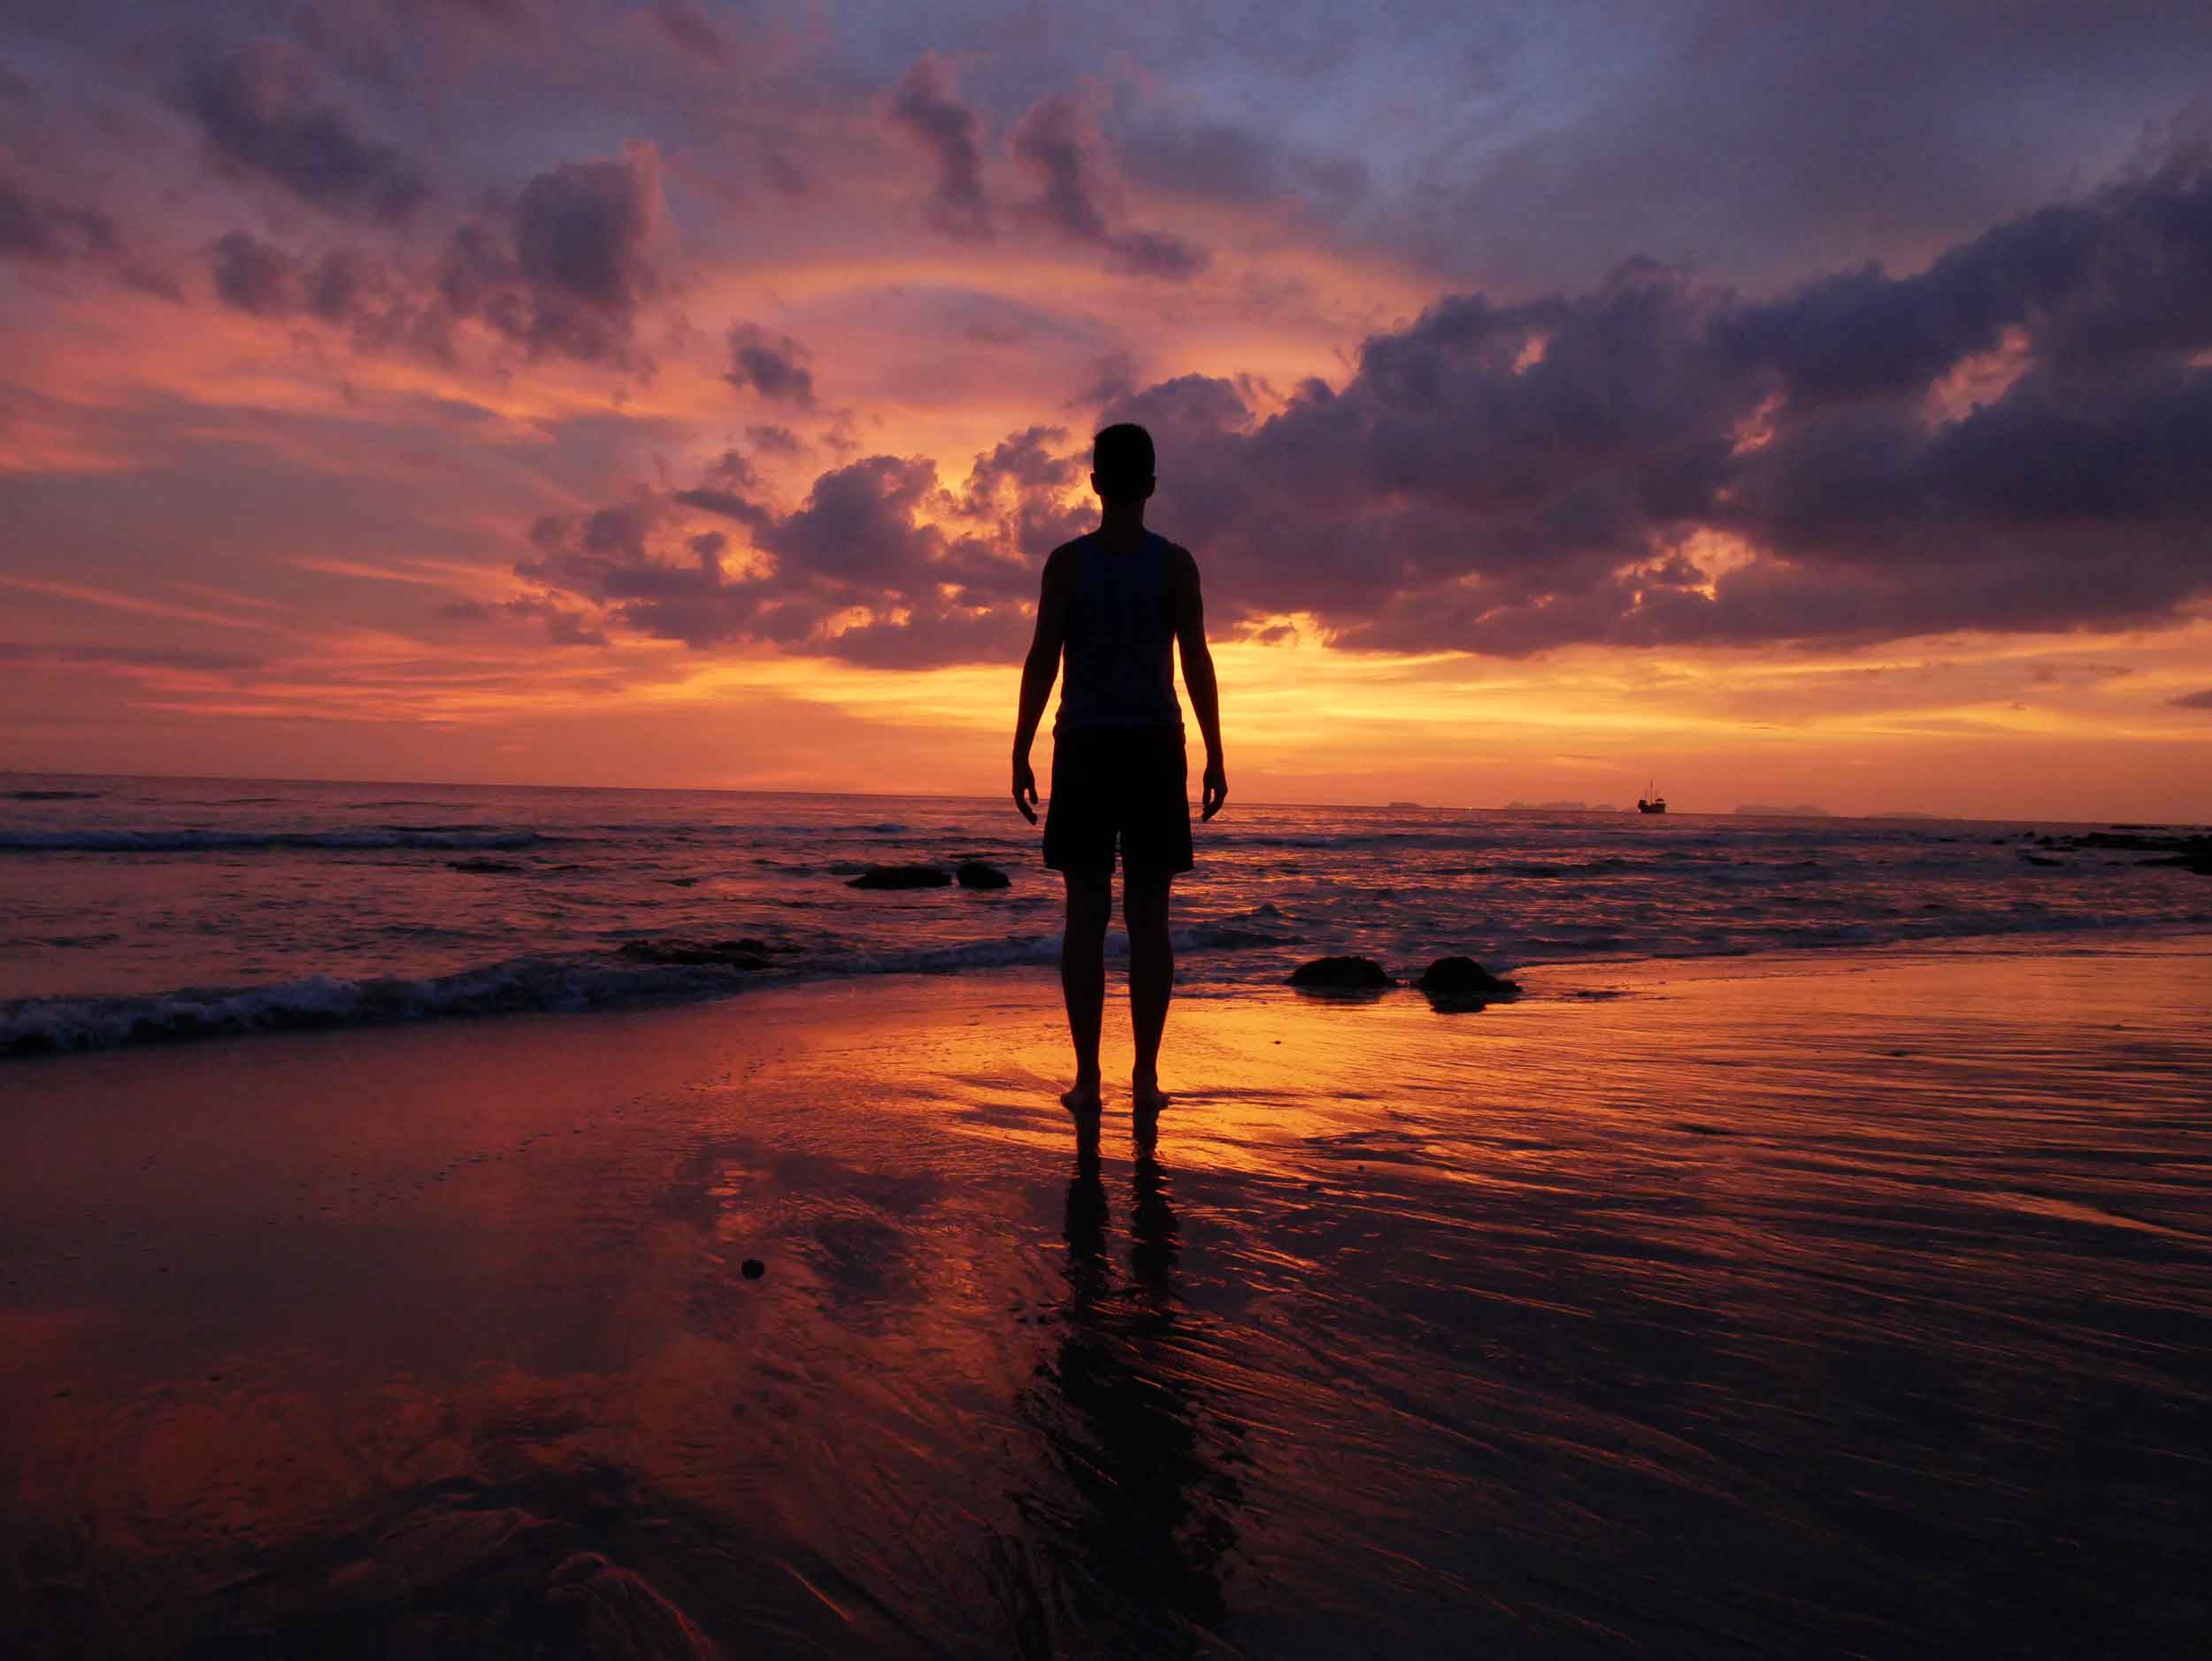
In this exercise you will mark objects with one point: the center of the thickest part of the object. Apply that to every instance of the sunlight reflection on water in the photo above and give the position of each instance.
(1863, 1307)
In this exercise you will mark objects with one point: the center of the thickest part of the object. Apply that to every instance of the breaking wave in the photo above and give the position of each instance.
(643, 972)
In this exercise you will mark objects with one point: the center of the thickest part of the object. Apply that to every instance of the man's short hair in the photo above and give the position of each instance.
(1121, 455)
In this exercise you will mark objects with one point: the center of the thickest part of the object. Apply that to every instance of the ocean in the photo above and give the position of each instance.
(135, 909)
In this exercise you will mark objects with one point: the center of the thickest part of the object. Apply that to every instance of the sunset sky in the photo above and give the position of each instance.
(1790, 403)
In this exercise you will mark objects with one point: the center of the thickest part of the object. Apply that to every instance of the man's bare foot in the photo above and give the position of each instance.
(1084, 1098)
(1145, 1095)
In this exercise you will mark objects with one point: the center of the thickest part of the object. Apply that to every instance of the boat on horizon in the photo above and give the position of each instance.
(1653, 803)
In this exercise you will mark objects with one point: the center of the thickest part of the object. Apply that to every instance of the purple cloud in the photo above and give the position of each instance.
(689, 29)
(257, 112)
(866, 540)
(1058, 142)
(773, 367)
(1502, 478)
(927, 104)
(254, 276)
(42, 228)
(566, 270)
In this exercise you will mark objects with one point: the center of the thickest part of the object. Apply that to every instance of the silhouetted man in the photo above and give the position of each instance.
(1118, 601)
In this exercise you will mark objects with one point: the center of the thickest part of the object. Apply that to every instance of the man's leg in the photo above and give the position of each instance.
(1144, 896)
(1083, 978)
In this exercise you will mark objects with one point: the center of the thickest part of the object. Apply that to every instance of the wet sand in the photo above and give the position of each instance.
(1850, 1305)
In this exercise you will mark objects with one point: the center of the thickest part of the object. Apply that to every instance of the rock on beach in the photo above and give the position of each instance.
(1461, 982)
(1341, 974)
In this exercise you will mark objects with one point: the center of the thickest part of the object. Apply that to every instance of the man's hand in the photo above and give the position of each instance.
(1025, 788)
(1215, 790)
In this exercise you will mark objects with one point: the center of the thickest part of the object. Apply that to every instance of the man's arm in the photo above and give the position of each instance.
(1040, 669)
(1198, 680)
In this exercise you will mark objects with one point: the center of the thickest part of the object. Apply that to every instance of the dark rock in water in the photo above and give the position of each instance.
(2040, 859)
(974, 873)
(1462, 983)
(1341, 974)
(735, 954)
(2192, 852)
(902, 877)
(486, 867)
(752, 1268)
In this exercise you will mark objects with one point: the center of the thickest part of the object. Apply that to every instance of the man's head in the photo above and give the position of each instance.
(1121, 463)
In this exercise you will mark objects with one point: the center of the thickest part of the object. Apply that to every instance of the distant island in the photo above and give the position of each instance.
(1803, 809)
(1401, 805)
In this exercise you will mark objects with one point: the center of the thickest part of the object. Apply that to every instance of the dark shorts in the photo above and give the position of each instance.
(1124, 783)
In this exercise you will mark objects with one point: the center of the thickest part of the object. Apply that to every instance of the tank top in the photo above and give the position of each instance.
(1119, 638)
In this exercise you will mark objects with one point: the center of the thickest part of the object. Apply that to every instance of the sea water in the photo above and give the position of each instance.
(136, 909)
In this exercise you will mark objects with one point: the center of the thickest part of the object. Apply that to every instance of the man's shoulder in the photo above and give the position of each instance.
(1180, 560)
(1058, 559)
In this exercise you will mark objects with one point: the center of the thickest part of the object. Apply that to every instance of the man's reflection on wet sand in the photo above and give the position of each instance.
(1132, 1513)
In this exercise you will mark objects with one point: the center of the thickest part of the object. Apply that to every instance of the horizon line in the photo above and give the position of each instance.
(917, 795)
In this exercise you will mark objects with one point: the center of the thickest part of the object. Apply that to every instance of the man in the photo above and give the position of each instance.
(1116, 602)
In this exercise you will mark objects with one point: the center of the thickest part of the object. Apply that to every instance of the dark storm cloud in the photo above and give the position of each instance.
(259, 111)
(773, 367)
(928, 105)
(1503, 478)
(564, 271)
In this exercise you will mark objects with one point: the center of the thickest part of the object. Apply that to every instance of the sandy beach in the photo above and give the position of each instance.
(1846, 1304)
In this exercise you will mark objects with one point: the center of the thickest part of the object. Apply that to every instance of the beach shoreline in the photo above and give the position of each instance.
(1855, 1301)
